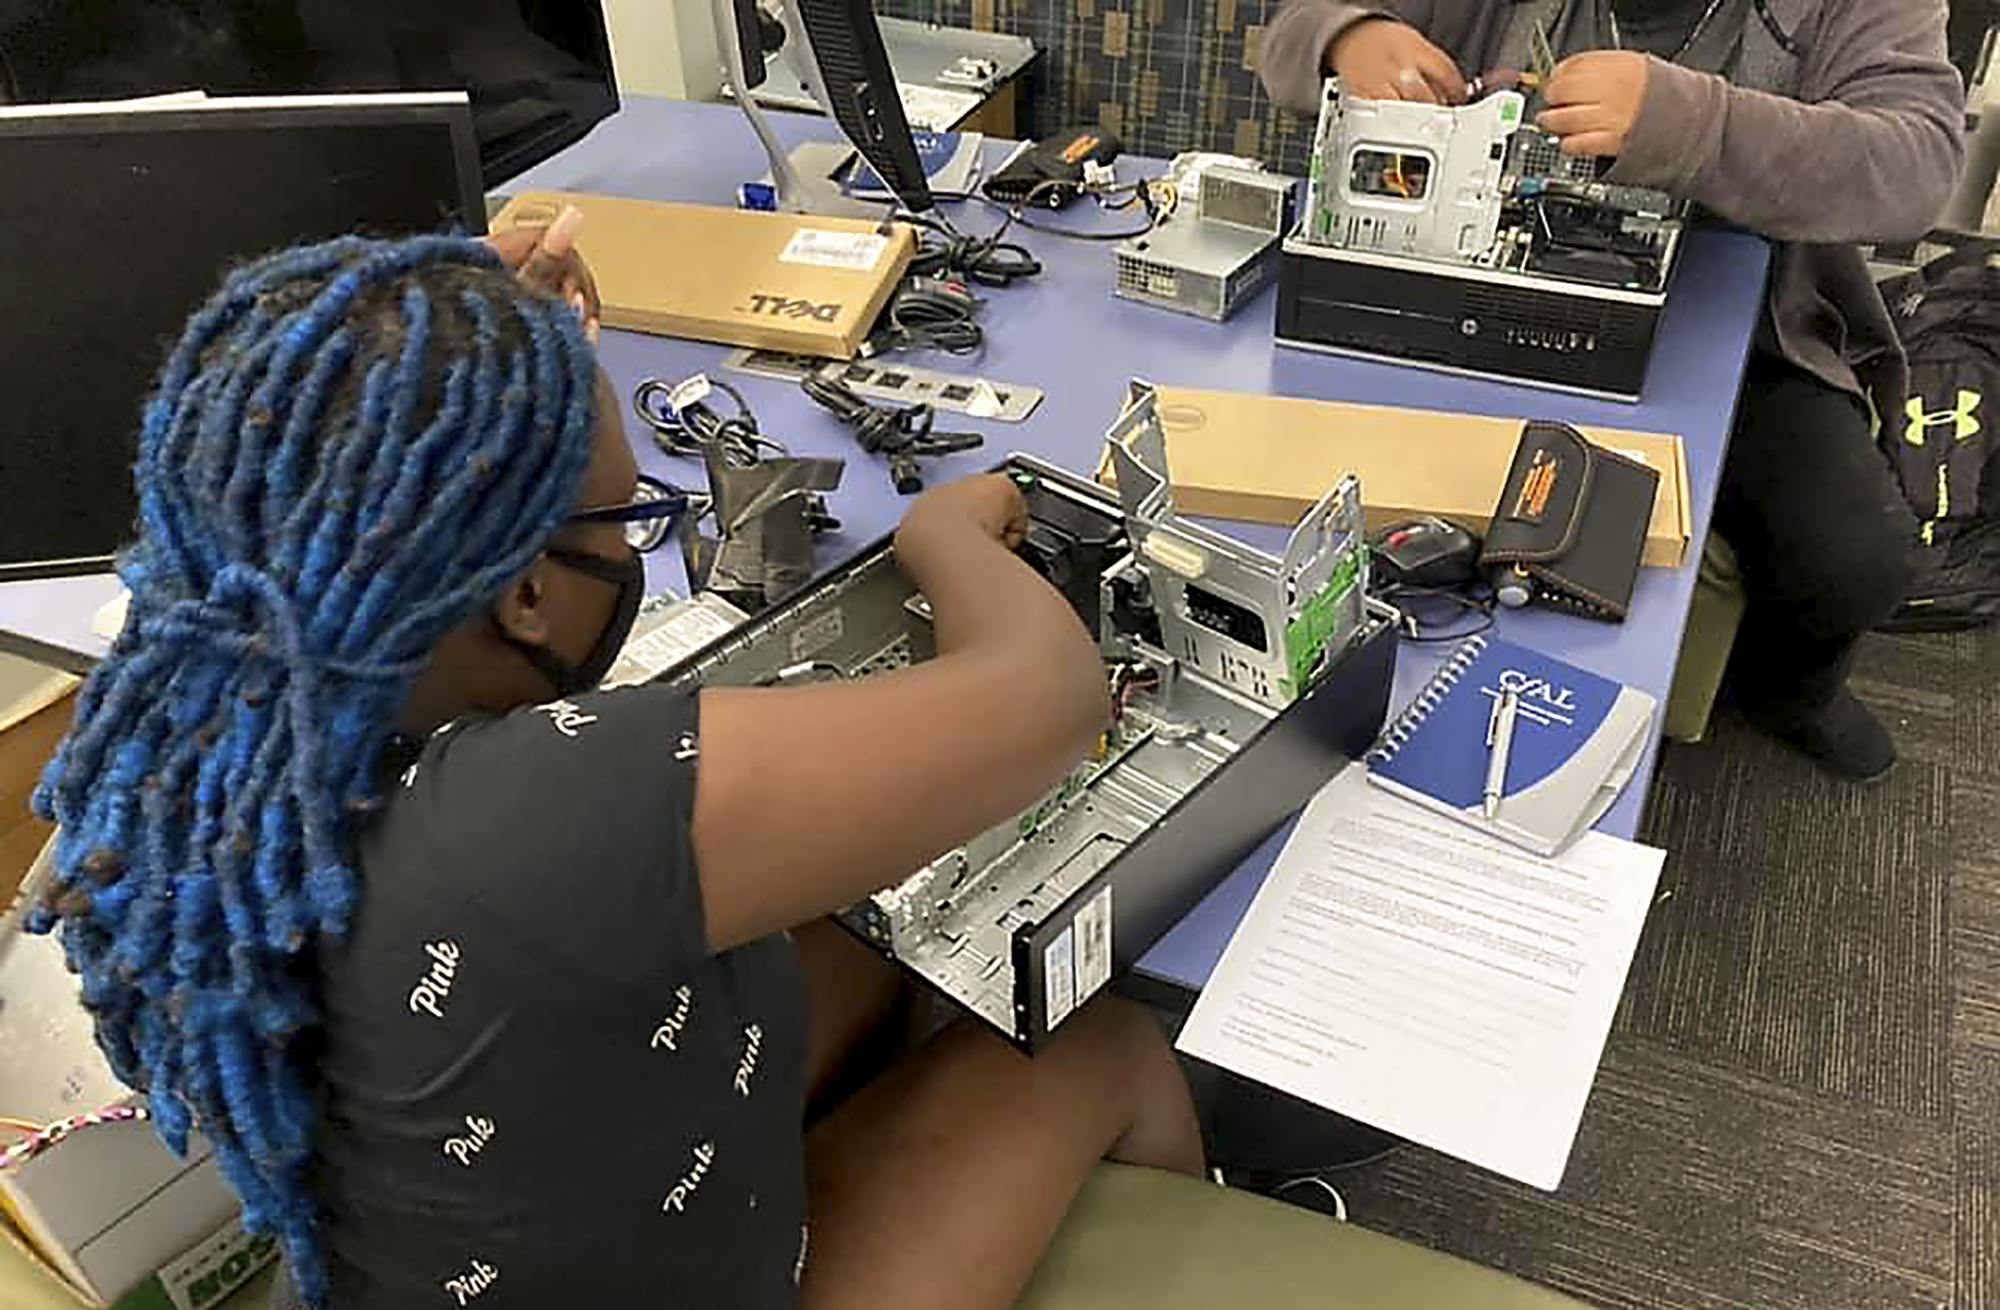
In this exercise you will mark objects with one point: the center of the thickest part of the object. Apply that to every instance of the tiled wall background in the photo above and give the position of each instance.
(1164, 75)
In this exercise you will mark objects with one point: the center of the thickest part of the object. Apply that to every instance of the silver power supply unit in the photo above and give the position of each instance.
(1209, 263)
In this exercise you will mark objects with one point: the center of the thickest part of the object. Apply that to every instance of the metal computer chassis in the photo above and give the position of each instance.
(1426, 240)
(1025, 922)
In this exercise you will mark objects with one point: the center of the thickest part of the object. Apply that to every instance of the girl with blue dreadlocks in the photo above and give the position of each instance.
(489, 988)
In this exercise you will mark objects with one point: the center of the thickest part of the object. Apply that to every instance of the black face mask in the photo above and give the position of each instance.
(629, 574)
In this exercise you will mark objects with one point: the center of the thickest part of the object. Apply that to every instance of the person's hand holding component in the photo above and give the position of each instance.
(1594, 101)
(1383, 59)
(988, 501)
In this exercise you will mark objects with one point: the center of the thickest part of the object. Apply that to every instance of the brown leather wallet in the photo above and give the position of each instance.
(1571, 522)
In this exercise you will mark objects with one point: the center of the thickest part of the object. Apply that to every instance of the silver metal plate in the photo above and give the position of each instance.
(1002, 402)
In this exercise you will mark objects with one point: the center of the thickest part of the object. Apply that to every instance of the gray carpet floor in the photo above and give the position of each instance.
(1799, 1108)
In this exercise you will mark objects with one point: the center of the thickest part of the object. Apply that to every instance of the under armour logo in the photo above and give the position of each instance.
(1964, 418)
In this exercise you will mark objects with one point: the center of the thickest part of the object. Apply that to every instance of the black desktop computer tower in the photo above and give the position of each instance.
(1467, 319)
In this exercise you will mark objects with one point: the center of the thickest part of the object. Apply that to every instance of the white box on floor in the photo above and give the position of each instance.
(106, 1208)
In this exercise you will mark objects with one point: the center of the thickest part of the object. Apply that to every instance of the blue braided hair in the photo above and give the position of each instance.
(353, 448)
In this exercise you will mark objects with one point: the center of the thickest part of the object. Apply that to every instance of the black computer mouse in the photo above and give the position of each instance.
(1425, 552)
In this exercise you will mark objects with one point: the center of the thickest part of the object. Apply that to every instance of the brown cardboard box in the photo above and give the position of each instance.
(25, 747)
(805, 285)
(1267, 459)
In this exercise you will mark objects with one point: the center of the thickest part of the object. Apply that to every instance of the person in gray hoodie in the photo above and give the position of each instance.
(1817, 123)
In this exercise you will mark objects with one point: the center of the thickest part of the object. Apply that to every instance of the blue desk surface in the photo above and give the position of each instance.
(1066, 332)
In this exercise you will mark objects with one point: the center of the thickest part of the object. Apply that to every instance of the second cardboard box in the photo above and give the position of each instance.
(1268, 459)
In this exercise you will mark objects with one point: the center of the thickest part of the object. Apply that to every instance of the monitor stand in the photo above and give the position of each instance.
(797, 192)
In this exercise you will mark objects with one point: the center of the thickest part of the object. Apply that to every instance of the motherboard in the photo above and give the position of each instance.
(1478, 185)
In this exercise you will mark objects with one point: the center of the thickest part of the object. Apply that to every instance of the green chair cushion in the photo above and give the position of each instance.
(1713, 618)
(1139, 1239)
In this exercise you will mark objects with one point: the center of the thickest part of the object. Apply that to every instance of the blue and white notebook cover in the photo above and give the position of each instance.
(950, 160)
(1577, 739)
(951, 163)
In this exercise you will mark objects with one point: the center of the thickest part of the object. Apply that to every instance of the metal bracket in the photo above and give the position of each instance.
(1262, 626)
(763, 547)
(897, 383)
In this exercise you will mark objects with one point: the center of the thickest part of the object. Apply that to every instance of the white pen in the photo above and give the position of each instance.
(1499, 741)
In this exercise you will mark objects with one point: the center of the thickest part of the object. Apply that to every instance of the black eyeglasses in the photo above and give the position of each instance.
(648, 517)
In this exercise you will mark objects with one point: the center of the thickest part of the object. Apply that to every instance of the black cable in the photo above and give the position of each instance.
(1123, 234)
(921, 319)
(925, 315)
(692, 429)
(1130, 191)
(903, 433)
(1471, 599)
(988, 261)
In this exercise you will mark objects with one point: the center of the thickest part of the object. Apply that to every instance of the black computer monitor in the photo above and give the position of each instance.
(836, 47)
(843, 43)
(538, 72)
(121, 222)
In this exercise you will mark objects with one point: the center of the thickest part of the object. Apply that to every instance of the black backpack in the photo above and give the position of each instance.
(1945, 444)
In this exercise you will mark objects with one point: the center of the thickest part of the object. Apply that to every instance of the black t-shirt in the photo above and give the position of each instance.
(542, 1089)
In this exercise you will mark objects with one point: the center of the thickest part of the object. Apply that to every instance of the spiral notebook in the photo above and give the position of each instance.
(1577, 739)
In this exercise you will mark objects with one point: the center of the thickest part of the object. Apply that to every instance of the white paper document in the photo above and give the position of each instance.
(934, 108)
(1413, 973)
